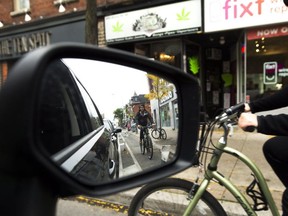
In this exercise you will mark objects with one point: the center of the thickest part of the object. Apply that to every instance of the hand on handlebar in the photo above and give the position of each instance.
(248, 122)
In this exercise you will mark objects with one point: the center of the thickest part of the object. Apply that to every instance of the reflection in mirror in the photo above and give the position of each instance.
(88, 114)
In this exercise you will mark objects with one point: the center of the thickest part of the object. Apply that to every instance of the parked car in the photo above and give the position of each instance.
(114, 152)
(53, 140)
(71, 130)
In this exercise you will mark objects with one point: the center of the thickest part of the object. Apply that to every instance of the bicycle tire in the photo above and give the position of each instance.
(149, 147)
(166, 197)
(117, 165)
(155, 133)
(163, 134)
(142, 147)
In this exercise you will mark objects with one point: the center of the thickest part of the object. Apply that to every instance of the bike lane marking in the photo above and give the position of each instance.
(133, 168)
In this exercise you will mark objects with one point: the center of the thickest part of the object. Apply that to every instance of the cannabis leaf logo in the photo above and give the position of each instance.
(183, 15)
(194, 64)
(117, 27)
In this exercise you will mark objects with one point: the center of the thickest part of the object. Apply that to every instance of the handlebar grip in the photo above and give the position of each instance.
(249, 128)
(236, 108)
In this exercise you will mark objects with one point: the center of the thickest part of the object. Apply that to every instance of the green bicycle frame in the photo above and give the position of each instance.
(211, 173)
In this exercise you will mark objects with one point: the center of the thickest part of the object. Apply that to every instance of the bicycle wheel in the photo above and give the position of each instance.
(149, 147)
(163, 134)
(155, 133)
(142, 146)
(169, 197)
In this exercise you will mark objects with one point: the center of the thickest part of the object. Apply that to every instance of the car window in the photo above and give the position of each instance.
(66, 113)
(108, 124)
(92, 112)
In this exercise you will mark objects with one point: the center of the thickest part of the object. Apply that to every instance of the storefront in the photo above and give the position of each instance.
(267, 60)
(239, 54)
(18, 40)
(261, 50)
(173, 34)
(159, 33)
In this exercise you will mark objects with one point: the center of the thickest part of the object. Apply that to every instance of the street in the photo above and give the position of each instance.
(76, 208)
(131, 160)
(248, 143)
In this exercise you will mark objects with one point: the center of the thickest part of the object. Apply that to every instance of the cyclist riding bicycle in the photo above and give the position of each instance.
(276, 148)
(143, 118)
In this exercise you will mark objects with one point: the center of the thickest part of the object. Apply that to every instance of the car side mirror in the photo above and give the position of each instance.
(60, 96)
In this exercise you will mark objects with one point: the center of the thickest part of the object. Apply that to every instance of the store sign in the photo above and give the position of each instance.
(232, 14)
(167, 97)
(15, 46)
(167, 20)
(270, 72)
(268, 32)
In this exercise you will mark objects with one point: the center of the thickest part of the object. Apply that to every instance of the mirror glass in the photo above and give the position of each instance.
(87, 118)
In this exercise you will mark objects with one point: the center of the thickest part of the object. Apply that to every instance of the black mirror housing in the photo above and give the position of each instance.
(21, 155)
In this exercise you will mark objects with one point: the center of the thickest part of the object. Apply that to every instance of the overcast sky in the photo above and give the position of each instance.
(111, 86)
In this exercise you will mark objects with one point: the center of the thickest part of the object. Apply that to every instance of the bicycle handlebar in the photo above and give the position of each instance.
(233, 112)
(238, 108)
(250, 128)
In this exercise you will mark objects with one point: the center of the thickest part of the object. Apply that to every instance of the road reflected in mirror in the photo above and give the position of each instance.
(101, 121)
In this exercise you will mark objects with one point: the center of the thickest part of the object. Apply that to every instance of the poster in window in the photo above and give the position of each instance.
(270, 73)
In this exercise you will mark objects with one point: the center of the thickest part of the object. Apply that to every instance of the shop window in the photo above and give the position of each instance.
(21, 5)
(267, 63)
(165, 116)
(168, 52)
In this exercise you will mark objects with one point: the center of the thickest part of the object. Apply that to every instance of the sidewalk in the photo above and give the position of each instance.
(251, 145)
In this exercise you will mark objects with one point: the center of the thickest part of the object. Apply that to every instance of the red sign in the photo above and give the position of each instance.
(268, 32)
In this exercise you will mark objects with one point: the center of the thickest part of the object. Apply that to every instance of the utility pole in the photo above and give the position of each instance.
(91, 23)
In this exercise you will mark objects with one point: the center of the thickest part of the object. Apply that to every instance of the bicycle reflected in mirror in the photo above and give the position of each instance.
(159, 133)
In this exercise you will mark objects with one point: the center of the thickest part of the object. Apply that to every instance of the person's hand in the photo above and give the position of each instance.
(247, 120)
(139, 126)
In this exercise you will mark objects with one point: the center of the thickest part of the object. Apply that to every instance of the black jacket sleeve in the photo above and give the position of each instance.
(273, 124)
(275, 101)
(137, 119)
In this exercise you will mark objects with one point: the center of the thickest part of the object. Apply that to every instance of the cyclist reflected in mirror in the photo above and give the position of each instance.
(144, 121)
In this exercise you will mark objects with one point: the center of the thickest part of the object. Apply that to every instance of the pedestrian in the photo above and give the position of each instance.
(276, 148)
(143, 118)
